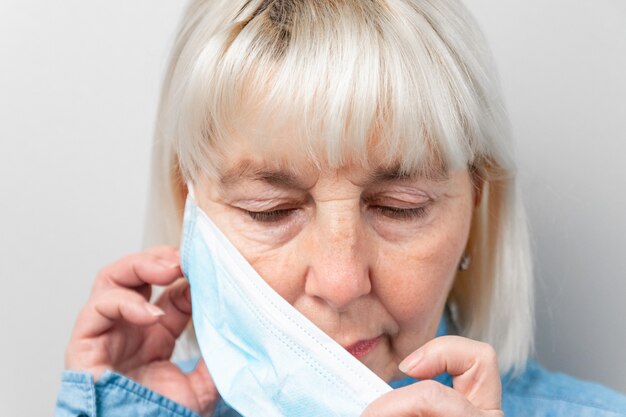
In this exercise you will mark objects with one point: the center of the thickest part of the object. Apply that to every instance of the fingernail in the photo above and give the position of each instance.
(168, 263)
(410, 361)
(154, 310)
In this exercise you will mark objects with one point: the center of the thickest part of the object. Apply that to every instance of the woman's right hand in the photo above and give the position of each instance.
(476, 391)
(120, 329)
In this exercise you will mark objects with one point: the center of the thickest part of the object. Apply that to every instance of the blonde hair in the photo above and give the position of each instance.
(411, 80)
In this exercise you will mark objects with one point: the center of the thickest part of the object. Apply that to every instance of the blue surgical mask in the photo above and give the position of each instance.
(265, 357)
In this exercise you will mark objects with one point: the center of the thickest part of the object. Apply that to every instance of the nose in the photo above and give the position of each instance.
(339, 270)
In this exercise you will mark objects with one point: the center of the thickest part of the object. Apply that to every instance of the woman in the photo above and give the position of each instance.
(356, 153)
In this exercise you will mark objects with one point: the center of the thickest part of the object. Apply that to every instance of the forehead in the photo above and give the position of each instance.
(255, 151)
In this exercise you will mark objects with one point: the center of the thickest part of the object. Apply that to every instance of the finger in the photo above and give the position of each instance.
(105, 310)
(473, 365)
(424, 398)
(176, 303)
(159, 267)
(203, 386)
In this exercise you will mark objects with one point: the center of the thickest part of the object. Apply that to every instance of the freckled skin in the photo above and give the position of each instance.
(352, 271)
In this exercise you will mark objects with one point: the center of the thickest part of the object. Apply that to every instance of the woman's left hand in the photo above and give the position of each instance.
(476, 380)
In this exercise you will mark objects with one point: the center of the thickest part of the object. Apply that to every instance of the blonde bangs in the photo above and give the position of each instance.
(331, 83)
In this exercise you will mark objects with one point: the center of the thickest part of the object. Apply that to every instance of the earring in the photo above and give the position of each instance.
(466, 260)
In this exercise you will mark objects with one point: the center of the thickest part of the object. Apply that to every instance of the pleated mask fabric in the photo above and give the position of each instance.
(265, 357)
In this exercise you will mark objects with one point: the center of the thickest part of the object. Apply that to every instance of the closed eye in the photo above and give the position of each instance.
(398, 213)
(270, 216)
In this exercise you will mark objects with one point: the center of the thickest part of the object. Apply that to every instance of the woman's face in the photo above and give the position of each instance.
(368, 255)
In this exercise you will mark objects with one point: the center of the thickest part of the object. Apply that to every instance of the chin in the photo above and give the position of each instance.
(384, 365)
(388, 372)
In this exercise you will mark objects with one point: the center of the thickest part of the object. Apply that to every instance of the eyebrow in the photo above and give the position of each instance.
(249, 170)
(395, 173)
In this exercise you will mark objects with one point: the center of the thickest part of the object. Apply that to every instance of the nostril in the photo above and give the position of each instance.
(338, 286)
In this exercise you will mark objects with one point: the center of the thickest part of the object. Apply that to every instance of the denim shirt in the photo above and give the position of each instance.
(536, 392)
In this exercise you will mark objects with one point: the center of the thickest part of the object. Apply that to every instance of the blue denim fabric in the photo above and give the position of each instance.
(535, 393)
(113, 395)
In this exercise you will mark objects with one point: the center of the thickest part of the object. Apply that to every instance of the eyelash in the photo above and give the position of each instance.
(275, 216)
(401, 213)
(270, 216)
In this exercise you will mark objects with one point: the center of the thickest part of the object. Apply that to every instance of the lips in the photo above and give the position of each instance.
(363, 347)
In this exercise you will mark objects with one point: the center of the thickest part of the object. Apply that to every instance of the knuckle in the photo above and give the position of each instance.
(103, 276)
(110, 274)
(430, 388)
(430, 392)
(488, 353)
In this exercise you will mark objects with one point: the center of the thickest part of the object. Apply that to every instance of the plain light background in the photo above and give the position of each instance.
(79, 84)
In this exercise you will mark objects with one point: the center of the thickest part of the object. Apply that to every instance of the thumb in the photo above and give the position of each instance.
(204, 388)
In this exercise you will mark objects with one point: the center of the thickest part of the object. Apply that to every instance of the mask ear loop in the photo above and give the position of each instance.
(189, 220)
(190, 190)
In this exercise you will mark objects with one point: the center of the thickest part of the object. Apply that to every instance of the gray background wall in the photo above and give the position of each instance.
(79, 83)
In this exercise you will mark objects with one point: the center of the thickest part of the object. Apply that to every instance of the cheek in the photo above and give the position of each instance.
(276, 264)
(414, 280)
(280, 268)
(413, 287)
